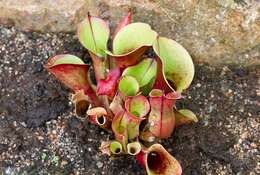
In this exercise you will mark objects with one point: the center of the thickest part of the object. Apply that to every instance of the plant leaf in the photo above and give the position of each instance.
(65, 59)
(99, 65)
(128, 86)
(105, 147)
(184, 116)
(177, 63)
(132, 37)
(159, 162)
(161, 81)
(124, 22)
(119, 127)
(108, 86)
(116, 105)
(125, 126)
(144, 72)
(140, 158)
(145, 133)
(138, 106)
(130, 58)
(81, 102)
(116, 147)
(147, 88)
(71, 71)
(131, 42)
(134, 148)
(93, 33)
(133, 124)
(161, 117)
(99, 116)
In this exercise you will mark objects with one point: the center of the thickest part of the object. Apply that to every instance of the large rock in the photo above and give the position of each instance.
(215, 31)
(44, 15)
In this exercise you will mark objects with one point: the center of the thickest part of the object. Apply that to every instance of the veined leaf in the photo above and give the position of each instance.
(116, 105)
(108, 86)
(116, 147)
(99, 116)
(124, 22)
(131, 42)
(133, 124)
(161, 117)
(71, 71)
(159, 162)
(134, 148)
(184, 116)
(128, 86)
(64, 59)
(132, 37)
(138, 106)
(81, 102)
(119, 127)
(161, 81)
(144, 72)
(177, 63)
(93, 33)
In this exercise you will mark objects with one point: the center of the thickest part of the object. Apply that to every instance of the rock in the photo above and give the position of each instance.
(47, 15)
(217, 32)
(99, 164)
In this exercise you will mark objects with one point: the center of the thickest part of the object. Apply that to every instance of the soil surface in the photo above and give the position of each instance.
(39, 134)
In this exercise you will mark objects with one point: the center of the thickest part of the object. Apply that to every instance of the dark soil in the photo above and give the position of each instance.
(39, 134)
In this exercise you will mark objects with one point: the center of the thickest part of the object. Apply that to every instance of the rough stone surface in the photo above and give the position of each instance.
(44, 15)
(215, 32)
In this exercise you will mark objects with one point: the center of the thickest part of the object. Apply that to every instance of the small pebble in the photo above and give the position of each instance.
(99, 164)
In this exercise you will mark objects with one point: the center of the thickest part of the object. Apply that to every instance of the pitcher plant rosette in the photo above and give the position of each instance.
(130, 94)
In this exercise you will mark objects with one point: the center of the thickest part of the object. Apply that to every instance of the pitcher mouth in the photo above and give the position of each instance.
(81, 108)
(101, 120)
(155, 162)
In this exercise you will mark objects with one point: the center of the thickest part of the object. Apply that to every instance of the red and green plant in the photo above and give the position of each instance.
(131, 95)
